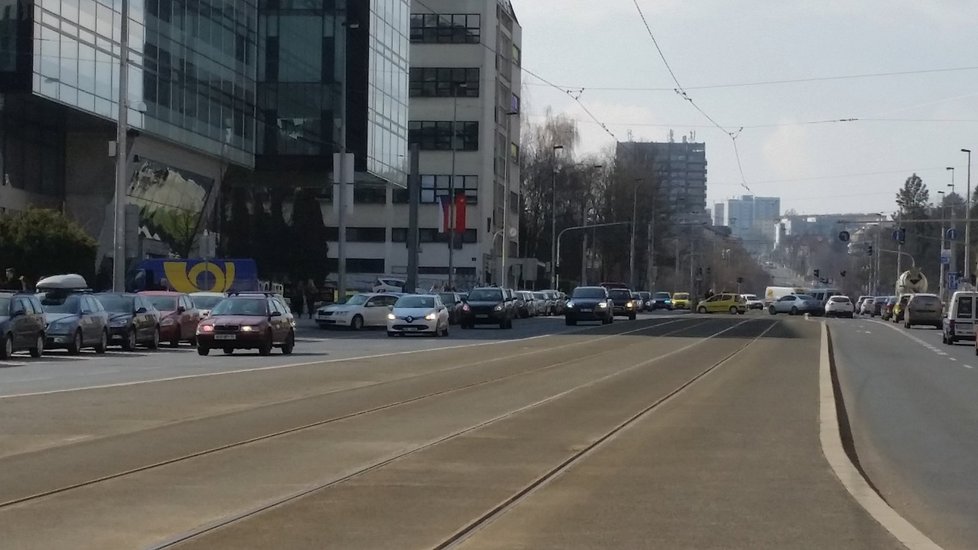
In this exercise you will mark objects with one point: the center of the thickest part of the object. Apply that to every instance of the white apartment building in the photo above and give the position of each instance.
(465, 71)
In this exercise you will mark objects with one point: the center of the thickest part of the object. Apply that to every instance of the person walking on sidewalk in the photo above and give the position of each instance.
(311, 294)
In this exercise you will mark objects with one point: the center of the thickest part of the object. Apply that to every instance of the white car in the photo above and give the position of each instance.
(205, 301)
(389, 284)
(839, 306)
(359, 311)
(418, 314)
(753, 302)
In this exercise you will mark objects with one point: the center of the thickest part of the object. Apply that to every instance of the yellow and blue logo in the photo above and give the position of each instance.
(183, 276)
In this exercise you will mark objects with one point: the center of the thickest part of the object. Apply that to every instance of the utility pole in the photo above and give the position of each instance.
(414, 198)
(631, 245)
(967, 223)
(121, 158)
(504, 276)
(553, 217)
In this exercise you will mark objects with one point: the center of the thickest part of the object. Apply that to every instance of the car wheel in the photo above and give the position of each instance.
(103, 343)
(357, 322)
(631, 317)
(391, 333)
(228, 351)
(155, 342)
(38, 349)
(203, 350)
(502, 324)
(772, 311)
(129, 343)
(74, 348)
(289, 344)
(6, 346)
(733, 310)
(794, 311)
(611, 319)
(701, 309)
(193, 342)
(445, 332)
(175, 343)
(266, 347)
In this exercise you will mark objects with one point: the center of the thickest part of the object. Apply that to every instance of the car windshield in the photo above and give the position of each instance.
(592, 293)
(486, 295)
(539, 296)
(163, 303)
(415, 302)
(356, 300)
(662, 295)
(113, 303)
(237, 306)
(750, 297)
(54, 303)
(619, 295)
(206, 302)
(4, 305)
(681, 296)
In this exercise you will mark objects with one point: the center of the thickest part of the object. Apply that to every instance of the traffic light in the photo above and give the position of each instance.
(869, 250)
(816, 274)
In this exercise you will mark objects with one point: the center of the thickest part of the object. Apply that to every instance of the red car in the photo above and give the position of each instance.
(248, 321)
(178, 316)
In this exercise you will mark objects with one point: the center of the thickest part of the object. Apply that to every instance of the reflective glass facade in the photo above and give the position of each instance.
(387, 114)
(191, 67)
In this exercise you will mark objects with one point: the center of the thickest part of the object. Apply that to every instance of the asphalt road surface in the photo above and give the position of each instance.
(672, 431)
(913, 405)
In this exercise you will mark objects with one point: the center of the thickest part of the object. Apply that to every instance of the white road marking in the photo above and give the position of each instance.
(831, 440)
(952, 358)
(967, 366)
(347, 359)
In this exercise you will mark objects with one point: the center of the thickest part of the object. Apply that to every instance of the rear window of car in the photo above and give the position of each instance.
(486, 295)
(965, 306)
(595, 293)
(926, 301)
(840, 299)
(620, 295)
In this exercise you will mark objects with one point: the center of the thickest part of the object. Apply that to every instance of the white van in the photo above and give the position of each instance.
(775, 293)
(960, 319)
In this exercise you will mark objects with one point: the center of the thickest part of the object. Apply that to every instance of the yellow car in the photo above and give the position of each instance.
(680, 300)
(723, 303)
(900, 308)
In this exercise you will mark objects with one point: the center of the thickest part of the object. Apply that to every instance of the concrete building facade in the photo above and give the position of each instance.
(680, 170)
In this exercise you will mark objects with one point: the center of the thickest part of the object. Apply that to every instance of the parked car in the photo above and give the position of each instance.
(249, 321)
(532, 304)
(795, 304)
(923, 309)
(132, 320)
(961, 318)
(205, 301)
(22, 324)
(866, 306)
(520, 309)
(753, 302)
(418, 314)
(178, 316)
(589, 303)
(388, 284)
(639, 302)
(721, 303)
(839, 306)
(879, 303)
(662, 300)
(357, 312)
(900, 308)
(888, 306)
(75, 321)
(545, 304)
(622, 304)
(680, 300)
(487, 306)
(453, 302)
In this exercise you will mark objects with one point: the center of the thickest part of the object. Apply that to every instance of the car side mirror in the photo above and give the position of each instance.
(275, 314)
(18, 313)
(141, 310)
(181, 309)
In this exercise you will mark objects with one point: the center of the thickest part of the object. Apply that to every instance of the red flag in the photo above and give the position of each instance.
(445, 212)
(460, 213)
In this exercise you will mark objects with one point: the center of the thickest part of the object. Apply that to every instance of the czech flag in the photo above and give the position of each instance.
(446, 208)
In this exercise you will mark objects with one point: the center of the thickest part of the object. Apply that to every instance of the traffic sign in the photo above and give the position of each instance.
(952, 234)
(844, 236)
(952, 280)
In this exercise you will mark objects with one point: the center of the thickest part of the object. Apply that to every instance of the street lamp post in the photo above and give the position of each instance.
(553, 216)
(631, 245)
(967, 223)
(505, 245)
(943, 236)
(121, 158)
(451, 186)
(953, 267)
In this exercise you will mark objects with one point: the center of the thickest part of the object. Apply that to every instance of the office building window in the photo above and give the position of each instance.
(365, 265)
(444, 82)
(366, 234)
(434, 186)
(457, 28)
(437, 135)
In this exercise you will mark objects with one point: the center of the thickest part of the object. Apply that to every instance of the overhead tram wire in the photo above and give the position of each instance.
(569, 92)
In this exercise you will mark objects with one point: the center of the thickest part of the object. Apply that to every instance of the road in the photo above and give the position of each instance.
(678, 431)
(912, 404)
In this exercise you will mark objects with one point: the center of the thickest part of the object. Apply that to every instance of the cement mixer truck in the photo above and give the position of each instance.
(911, 281)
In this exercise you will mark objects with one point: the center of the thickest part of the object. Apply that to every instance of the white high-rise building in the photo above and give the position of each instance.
(465, 73)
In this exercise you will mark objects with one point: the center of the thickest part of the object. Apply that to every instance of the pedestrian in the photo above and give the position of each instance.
(298, 299)
(311, 294)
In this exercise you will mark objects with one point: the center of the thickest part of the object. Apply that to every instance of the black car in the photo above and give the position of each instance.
(589, 303)
(132, 320)
(487, 306)
(622, 303)
(22, 324)
(452, 301)
(661, 300)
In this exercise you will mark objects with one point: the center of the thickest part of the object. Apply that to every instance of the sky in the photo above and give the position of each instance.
(909, 123)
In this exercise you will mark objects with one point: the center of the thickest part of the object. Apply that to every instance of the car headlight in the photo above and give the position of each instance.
(431, 316)
(603, 305)
(630, 304)
(499, 307)
(570, 304)
(206, 328)
(391, 317)
(167, 322)
(249, 329)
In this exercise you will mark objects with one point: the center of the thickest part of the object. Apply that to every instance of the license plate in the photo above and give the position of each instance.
(586, 310)
(482, 316)
(225, 336)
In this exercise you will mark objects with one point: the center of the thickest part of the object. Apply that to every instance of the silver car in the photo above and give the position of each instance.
(418, 314)
(795, 304)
